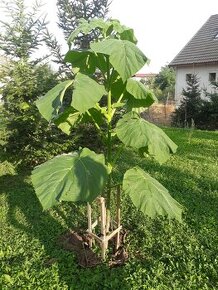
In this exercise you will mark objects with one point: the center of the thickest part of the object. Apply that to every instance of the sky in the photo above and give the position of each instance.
(162, 27)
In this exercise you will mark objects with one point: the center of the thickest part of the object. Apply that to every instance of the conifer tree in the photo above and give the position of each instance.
(188, 111)
(24, 78)
(22, 34)
(208, 115)
(70, 12)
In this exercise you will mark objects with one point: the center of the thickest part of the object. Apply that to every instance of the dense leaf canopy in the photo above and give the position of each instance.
(102, 85)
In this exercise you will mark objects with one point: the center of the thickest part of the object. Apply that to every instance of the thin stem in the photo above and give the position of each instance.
(119, 100)
(98, 107)
(96, 125)
(109, 144)
(109, 147)
(108, 72)
(109, 107)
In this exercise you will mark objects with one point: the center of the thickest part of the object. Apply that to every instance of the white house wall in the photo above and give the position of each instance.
(202, 71)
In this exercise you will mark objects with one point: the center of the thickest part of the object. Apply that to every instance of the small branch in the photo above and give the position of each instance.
(118, 184)
(119, 101)
(96, 125)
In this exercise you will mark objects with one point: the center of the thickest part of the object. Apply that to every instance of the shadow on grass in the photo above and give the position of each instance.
(47, 227)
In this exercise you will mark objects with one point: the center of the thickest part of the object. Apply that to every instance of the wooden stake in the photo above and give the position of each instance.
(110, 236)
(105, 237)
(118, 217)
(103, 216)
(104, 242)
(89, 214)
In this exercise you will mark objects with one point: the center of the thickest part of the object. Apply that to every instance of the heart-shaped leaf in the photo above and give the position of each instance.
(138, 133)
(124, 32)
(70, 177)
(124, 55)
(149, 196)
(82, 59)
(51, 102)
(138, 95)
(85, 27)
(87, 92)
(128, 34)
(67, 119)
(117, 87)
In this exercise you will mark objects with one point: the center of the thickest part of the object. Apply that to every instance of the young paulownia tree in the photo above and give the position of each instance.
(103, 84)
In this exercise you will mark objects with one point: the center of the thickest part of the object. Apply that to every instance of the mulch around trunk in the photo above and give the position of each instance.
(78, 242)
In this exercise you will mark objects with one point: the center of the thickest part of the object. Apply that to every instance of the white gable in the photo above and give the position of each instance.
(203, 72)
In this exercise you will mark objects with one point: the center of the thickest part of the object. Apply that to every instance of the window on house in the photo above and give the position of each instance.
(212, 77)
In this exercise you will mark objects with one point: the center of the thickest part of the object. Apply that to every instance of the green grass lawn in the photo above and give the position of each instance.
(162, 254)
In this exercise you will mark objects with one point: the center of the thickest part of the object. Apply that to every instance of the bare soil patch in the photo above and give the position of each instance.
(78, 243)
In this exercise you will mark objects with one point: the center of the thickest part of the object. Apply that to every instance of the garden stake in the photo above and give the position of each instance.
(105, 237)
(118, 217)
(103, 227)
(89, 214)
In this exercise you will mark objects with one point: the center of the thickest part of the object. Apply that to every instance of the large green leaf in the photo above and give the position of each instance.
(140, 92)
(149, 196)
(139, 95)
(67, 119)
(101, 62)
(82, 59)
(87, 92)
(76, 57)
(124, 32)
(106, 27)
(86, 61)
(70, 177)
(117, 87)
(100, 24)
(138, 133)
(51, 102)
(128, 34)
(124, 55)
(84, 27)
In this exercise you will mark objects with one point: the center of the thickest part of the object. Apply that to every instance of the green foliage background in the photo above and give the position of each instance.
(165, 81)
(163, 84)
(29, 139)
